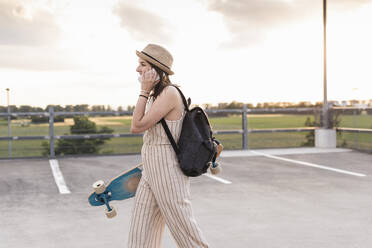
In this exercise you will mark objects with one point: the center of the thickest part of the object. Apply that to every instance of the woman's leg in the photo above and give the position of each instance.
(172, 192)
(156, 227)
(182, 224)
(147, 223)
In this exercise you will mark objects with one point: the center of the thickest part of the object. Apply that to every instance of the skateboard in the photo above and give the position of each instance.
(121, 187)
(124, 185)
(214, 166)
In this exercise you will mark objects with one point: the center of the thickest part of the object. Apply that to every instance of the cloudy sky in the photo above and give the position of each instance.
(83, 51)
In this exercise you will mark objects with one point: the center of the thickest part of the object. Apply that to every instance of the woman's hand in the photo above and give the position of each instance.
(165, 103)
(148, 81)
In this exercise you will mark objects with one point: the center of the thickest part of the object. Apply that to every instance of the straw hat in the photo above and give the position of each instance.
(158, 56)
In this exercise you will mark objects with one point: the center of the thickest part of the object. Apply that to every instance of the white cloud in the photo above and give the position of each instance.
(142, 24)
(250, 21)
(24, 25)
(30, 37)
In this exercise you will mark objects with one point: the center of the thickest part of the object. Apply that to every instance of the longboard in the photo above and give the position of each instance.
(121, 187)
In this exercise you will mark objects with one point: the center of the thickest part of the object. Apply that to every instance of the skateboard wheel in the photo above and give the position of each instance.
(99, 187)
(210, 164)
(112, 213)
(216, 170)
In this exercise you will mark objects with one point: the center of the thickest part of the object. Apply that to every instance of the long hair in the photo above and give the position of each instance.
(163, 82)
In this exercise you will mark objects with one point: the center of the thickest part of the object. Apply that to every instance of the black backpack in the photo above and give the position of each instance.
(196, 148)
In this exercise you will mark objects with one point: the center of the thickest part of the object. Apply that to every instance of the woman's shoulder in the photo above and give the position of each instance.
(170, 91)
(171, 94)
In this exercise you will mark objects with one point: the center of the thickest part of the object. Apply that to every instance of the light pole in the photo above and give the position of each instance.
(325, 101)
(9, 141)
(325, 137)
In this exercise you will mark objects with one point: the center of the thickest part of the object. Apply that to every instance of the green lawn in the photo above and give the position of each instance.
(133, 145)
(360, 121)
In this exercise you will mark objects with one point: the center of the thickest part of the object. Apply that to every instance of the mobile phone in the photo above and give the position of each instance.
(157, 77)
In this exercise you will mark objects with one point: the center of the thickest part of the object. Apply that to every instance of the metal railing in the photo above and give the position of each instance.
(244, 132)
(356, 128)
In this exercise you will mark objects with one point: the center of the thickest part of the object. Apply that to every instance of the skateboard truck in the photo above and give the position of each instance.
(104, 196)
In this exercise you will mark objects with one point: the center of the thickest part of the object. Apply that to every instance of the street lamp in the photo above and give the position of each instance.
(9, 141)
(325, 137)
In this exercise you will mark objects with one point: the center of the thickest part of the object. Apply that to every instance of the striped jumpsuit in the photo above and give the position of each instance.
(163, 194)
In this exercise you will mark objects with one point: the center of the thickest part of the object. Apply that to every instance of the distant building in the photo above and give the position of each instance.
(334, 103)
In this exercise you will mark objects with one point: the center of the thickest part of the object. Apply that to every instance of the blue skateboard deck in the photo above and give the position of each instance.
(121, 187)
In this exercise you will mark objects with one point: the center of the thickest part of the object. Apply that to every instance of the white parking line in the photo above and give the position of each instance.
(217, 178)
(58, 177)
(311, 164)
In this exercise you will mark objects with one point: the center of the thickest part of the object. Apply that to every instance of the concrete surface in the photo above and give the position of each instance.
(270, 203)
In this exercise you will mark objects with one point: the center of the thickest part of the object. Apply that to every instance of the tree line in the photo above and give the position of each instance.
(108, 108)
(239, 105)
(67, 108)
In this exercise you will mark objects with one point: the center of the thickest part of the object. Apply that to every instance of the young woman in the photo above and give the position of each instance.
(163, 194)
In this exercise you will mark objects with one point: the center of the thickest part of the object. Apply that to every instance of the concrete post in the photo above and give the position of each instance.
(325, 138)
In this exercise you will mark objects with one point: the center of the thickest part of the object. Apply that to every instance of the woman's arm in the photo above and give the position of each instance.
(163, 104)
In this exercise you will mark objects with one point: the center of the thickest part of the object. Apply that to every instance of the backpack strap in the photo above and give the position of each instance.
(185, 103)
(165, 126)
(170, 137)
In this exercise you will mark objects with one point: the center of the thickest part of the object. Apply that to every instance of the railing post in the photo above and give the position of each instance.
(9, 134)
(51, 131)
(245, 128)
(355, 126)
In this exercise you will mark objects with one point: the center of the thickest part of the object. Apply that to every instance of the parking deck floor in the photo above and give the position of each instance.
(288, 198)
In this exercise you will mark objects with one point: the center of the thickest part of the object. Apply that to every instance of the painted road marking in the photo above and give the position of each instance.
(58, 177)
(311, 164)
(283, 151)
(217, 178)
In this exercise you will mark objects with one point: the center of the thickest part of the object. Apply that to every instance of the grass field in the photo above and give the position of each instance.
(121, 124)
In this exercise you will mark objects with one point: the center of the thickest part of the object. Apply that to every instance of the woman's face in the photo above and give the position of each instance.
(143, 66)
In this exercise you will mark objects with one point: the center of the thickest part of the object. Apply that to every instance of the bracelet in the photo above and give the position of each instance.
(144, 96)
(147, 95)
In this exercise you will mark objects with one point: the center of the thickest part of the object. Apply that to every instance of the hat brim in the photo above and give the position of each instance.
(154, 62)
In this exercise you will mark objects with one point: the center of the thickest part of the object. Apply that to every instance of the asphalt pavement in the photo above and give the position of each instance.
(287, 198)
